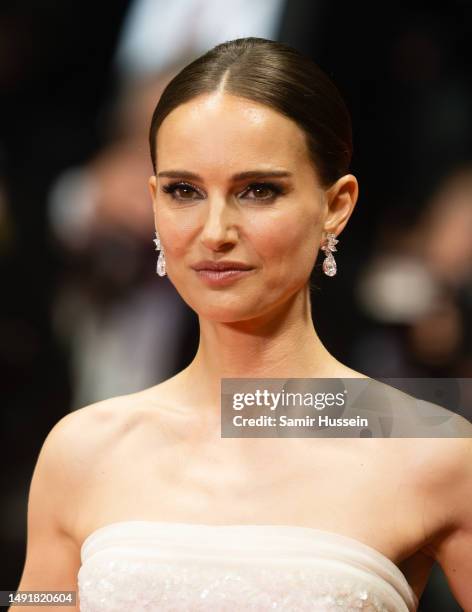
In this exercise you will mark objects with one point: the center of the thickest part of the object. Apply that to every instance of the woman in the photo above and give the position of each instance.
(138, 500)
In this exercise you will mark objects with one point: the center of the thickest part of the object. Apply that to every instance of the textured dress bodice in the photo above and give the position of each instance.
(136, 566)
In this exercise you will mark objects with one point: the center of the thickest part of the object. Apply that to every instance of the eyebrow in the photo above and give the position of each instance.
(236, 177)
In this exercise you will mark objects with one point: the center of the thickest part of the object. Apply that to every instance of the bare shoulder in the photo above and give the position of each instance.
(79, 438)
(56, 492)
(436, 442)
(85, 428)
(88, 430)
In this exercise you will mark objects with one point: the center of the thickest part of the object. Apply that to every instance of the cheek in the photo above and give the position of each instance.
(178, 228)
(289, 241)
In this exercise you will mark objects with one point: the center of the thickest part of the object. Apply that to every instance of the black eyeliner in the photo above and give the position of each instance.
(277, 189)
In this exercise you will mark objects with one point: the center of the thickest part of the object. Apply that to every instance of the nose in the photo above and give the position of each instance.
(219, 230)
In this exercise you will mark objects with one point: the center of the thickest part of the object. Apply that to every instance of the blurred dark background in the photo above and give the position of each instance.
(83, 315)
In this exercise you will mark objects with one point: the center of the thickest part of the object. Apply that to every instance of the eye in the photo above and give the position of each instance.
(180, 191)
(270, 190)
(185, 188)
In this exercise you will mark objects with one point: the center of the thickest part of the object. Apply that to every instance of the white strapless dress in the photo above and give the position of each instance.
(137, 566)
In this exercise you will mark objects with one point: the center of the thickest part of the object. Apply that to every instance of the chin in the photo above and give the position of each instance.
(226, 313)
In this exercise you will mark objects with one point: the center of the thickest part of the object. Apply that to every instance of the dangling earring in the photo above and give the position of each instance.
(329, 264)
(161, 260)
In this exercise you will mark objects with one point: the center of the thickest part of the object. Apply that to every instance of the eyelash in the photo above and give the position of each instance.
(172, 187)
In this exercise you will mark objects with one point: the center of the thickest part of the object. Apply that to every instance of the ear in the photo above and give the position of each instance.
(341, 199)
(152, 184)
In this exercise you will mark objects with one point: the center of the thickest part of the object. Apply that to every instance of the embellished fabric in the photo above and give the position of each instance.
(138, 566)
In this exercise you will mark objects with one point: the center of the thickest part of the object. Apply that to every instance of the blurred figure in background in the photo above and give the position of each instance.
(418, 287)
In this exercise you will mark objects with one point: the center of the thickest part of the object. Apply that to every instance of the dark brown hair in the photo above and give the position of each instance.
(278, 76)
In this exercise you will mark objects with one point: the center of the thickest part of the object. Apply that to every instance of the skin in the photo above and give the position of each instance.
(413, 511)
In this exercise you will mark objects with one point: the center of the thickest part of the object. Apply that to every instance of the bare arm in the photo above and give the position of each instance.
(453, 551)
(52, 557)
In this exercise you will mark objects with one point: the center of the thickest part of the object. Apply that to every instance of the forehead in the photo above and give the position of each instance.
(224, 132)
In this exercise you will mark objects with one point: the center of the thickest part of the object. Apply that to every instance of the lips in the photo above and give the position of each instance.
(221, 266)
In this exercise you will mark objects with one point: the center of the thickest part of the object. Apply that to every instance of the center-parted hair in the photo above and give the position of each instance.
(278, 76)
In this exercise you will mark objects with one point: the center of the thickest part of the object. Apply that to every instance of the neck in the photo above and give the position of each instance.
(279, 344)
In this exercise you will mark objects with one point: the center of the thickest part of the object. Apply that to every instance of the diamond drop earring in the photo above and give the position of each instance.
(329, 263)
(161, 260)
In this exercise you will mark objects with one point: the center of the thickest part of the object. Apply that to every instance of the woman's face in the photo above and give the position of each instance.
(204, 211)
